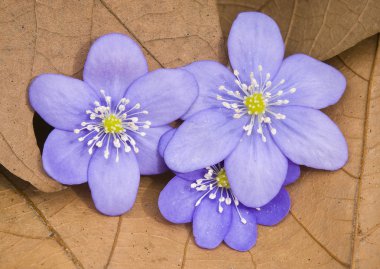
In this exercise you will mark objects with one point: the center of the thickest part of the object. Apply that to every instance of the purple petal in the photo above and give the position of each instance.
(209, 226)
(165, 93)
(254, 40)
(317, 84)
(164, 141)
(194, 175)
(113, 63)
(204, 139)
(177, 201)
(308, 137)
(256, 170)
(149, 159)
(242, 237)
(293, 173)
(65, 158)
(113, 184)
(209, 75)
(61, 101)
(275, 211)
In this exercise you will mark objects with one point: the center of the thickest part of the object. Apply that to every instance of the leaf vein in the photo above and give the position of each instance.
(318, 242)
(355, 222)
(114, 242)
(129, 30)
(54, 233)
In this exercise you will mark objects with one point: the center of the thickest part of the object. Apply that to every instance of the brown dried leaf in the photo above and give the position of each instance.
(321, 29)
(55, 36)
(366, 247)
(335, 215)
(333, 223)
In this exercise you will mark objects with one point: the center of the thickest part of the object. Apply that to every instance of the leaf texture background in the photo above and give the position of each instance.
(335, 216)
(321, 29)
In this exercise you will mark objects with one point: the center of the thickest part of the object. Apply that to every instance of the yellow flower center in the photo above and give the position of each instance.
(222, 179)
(255, 103)
(113, 124)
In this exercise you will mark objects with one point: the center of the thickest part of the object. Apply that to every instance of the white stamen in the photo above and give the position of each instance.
(256, 108)
(213, 189)
(114, 124)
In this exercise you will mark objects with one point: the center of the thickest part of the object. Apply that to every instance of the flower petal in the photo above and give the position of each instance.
(194, 175)
(113, 63)
(308, 137)
(275, 211)
(149, 159)
(294, 172)
(254, 40)
(64, 158)
(204, 139)
(209, 75)
(165, 93)
(242, 237)
(61, 101)
(256, 170)
(318, 84)
(177, 201)
(113, 184)
(209, 226)
(164, 141)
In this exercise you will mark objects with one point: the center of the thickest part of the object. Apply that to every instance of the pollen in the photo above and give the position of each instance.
(255, 103)
(112, 124)
(222, 179)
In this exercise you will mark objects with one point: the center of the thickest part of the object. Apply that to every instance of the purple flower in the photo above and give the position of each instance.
(107, 127)
(261, 114)
(205, 198)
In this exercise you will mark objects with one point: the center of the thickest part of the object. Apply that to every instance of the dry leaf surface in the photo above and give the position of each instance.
(333, 223)
(54, 37)
(322, 28)
(335, 216)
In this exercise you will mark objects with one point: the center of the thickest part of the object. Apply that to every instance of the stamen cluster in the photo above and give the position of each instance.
(215, 183)
(114, 126)
(256, 100)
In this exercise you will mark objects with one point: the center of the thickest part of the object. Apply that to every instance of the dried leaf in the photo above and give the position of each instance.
(321, 29)
(330, 210)
(55, 36)
(366, 247)
(335, 215)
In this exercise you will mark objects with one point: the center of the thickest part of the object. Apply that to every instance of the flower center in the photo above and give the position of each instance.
(112, 124)
(215, 184)
(255, 103)
(113, 127)
(222, 179)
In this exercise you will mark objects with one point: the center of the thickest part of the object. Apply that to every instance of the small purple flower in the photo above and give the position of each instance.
(205, 198)
(107, 127)
(264, 112)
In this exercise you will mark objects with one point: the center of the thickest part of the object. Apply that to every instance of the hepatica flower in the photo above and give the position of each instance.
(260, 114)
(107, 127)
(205, 198)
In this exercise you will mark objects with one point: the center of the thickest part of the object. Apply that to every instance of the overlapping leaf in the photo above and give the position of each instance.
(321, 29)
(335, 216)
